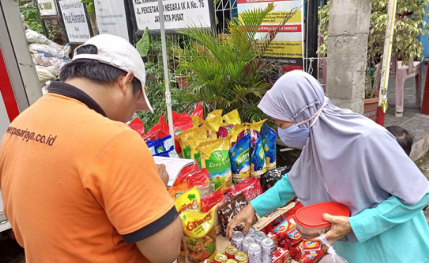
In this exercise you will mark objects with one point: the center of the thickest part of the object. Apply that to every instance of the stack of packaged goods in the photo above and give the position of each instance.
(234, 163)
(48, 56)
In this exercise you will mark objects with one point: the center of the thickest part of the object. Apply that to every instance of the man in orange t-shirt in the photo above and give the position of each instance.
(78, 184)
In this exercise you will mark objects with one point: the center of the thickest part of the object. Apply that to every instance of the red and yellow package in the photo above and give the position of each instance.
(201, 180)
(188, 201)
(281, 255)
(200, 235)
(311, 245)
(186, 172)
(312, 256)
(215, 199)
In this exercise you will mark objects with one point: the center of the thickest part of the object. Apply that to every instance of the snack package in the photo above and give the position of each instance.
(232, 117)
(188, 201)
(270, 178)
(215, 157)
(251, 188)
(230, 209)
(200, 235)
(185, 172)
(240, 159)
(178, 189)
(198, 112)
(215, 199)
(311, 245)
(269, 137)
(257, 160)
(281, 255)
(292, 233)
(201, 180)
(162, 147)
(312, 256)
(137, 125)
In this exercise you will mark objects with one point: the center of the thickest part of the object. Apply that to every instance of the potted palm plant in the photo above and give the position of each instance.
(227, 71)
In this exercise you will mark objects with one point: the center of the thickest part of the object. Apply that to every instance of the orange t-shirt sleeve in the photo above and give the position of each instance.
(124, 180)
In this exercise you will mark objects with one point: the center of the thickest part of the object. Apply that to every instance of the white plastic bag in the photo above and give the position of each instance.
(34, 37)
(331, 256)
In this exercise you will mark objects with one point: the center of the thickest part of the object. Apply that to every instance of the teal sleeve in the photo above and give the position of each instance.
(389, 213)
(277, 196)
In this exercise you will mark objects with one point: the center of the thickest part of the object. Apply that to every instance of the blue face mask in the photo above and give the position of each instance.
(294, 136)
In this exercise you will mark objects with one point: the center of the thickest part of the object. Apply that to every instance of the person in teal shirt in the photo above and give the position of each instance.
(349, 159)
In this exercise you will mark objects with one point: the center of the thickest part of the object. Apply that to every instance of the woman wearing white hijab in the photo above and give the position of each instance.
(349, 159)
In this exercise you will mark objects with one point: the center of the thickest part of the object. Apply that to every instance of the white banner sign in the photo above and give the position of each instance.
(75, 20)
(111, 17)
(179, 14)
(47, 7)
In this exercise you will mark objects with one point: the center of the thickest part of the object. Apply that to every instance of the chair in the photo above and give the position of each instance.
(402, 73)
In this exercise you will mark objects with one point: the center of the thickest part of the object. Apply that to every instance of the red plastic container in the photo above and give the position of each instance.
(309, 219)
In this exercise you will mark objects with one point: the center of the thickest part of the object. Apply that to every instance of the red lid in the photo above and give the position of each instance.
(312, 216)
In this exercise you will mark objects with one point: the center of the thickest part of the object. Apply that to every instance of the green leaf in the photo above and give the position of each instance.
(142, 45)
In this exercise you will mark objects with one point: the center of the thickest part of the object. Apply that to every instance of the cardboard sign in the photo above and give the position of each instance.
(75, 21)
(178, 14)
(111, 17)
(47, 8)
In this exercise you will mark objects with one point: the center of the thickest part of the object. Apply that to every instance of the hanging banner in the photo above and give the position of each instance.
(75, 21)
(288, 45)
(47, 8)
(178, 14)
(111, 17)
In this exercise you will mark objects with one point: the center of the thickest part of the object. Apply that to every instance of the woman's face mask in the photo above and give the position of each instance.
(294, 136)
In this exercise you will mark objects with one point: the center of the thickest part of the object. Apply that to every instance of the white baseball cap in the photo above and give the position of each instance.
(119, 53)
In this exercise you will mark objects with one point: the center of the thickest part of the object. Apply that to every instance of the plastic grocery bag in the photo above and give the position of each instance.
(331, 256)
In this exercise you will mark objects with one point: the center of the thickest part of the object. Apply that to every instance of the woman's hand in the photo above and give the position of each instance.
(340, 227)
(246, 216)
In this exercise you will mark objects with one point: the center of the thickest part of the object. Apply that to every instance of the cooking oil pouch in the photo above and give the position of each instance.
(200, 235)
(240, 159)
(257, 160)
(215, 157)
(232, 117)
(269, 137)
(188, 201)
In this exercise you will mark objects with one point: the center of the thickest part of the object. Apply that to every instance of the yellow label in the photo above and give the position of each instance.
(188, 201)
(278, 17)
